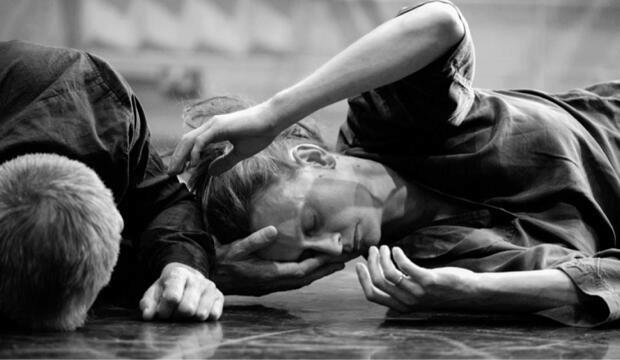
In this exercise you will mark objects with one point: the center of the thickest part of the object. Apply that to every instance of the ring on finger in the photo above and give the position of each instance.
(400, 279)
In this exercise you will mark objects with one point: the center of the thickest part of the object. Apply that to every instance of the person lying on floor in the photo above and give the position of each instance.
(77, 175)
(461, 198)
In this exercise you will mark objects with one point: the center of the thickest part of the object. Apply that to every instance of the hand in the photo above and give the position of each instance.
(249, 131)
(181, 292)
(241, 272)
(413, 287)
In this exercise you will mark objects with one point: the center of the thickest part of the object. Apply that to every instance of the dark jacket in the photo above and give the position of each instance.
(541, 173)
(69, 102)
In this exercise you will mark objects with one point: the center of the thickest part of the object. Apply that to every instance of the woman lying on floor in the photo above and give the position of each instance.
(486, 200)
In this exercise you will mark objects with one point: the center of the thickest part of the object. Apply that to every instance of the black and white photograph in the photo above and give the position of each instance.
(310, 179)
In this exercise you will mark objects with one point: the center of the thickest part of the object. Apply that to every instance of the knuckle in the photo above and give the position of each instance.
(376, 280)
(209, 285)
(171, 297)
(176, 273)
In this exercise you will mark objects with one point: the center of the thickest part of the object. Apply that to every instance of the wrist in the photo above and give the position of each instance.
(280, 108)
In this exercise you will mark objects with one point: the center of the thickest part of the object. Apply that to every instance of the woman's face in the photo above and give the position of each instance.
(319, 211)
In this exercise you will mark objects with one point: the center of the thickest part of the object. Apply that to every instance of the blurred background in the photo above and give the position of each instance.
(173, 51)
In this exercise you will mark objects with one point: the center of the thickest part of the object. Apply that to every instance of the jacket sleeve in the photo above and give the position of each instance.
(162, 218)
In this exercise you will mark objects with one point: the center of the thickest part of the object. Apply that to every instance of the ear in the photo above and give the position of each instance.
(313, 155)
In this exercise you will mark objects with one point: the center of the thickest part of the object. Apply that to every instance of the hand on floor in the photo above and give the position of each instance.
(182, 292)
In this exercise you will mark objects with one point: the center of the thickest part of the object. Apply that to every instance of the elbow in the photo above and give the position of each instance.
(450, 26)
(439, 21)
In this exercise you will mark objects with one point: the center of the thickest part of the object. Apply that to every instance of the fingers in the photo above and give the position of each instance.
(190, 146)
(148, 303)
(309, 265)
(182, 293)
(306, 267)
(211, 303)
(182, 151)
(242, 248)
(416, 273)
(408, 284)
(188, 306)
(378, 277)
(173, 290)
(205, 135)
(223, 162)
(217, 308)
(308, 276)
(374, 294)
(390, 271)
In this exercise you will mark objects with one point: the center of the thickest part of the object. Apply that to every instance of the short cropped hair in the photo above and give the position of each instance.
(60, 235)
(227, 199)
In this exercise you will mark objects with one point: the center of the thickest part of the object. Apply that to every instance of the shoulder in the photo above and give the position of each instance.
(31, 58)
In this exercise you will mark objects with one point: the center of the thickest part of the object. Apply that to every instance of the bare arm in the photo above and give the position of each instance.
(404, 286)
(393, 50)
(390, 52)
(533, 290)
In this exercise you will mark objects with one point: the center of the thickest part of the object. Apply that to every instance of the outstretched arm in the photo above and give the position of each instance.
(402, 285)
(395, 49)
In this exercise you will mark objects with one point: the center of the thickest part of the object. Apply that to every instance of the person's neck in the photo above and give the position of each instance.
(406, 205)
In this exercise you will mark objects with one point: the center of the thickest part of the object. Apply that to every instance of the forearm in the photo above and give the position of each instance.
(390, 52)
(525, 291)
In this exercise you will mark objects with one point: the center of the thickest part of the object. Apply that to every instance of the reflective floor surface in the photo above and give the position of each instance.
(329, 319)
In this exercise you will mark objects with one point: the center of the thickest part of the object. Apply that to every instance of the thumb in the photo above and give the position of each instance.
(255, 241)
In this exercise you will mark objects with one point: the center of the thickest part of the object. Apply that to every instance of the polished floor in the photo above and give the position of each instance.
(329, 319)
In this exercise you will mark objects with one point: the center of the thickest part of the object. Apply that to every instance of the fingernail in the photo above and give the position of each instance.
(271, 231)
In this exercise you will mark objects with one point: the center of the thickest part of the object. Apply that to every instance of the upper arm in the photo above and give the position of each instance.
(438, 21)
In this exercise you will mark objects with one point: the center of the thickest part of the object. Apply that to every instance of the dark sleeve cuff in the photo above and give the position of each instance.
(598, 280)
(194, 249)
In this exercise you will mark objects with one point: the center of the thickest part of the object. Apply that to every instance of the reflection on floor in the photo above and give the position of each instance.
(329, 319)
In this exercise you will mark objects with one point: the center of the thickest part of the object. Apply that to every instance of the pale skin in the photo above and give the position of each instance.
(183, 293)
(315, 212)
(241, 271)
(392, 51)
(252, 129)
(451, 288)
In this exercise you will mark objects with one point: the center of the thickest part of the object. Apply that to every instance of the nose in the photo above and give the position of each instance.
(330, 244)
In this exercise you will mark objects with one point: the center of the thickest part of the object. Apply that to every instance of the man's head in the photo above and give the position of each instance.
(295, 185)
(59, 240)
